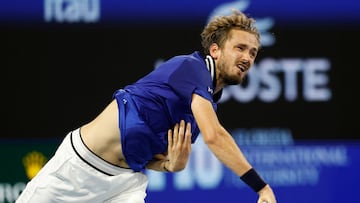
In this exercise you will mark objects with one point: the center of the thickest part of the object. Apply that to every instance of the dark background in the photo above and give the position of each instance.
(59, 77)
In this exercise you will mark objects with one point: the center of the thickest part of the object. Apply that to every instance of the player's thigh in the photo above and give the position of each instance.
(74, 181)
(134, 188)
(134, 197)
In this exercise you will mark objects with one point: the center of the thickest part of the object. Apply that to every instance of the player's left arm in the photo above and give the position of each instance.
(179, 149)
(219, 140)
(224, 147)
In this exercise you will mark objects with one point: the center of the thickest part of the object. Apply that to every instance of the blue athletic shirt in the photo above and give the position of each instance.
(159, 100)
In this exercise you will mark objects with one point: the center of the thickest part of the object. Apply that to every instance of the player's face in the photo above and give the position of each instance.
(237, 56)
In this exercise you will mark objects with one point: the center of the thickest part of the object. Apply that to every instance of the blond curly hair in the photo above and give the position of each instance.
(217, 30)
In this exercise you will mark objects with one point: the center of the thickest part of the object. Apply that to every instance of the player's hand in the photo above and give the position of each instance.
(179, 147)
(266, 195)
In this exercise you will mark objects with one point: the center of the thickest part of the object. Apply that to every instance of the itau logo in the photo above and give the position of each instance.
(263, 24)
(33, 162)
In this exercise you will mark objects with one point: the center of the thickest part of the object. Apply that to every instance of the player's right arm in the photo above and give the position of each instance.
(221, 143)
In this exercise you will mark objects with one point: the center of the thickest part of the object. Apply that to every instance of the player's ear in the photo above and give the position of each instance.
(214, 50)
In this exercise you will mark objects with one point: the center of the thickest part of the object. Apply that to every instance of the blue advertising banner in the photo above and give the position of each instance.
(308, 171)
(113, 11)
(311, 172)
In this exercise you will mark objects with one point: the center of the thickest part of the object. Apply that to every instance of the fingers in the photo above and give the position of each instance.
(173, 135)
(179, 146)
(180, 136)
(176, 134)
(188, 133)
(170, 138)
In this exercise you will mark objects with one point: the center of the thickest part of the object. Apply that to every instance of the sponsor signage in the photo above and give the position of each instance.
(298, 171)
(21, 160)
(113, 11)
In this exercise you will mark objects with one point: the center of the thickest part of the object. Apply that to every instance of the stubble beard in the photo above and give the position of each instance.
(227, 78)
(232, 80)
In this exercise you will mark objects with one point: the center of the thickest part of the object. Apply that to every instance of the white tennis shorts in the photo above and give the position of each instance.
(75, 174)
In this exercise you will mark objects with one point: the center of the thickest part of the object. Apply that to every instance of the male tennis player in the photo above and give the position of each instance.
(103, 160)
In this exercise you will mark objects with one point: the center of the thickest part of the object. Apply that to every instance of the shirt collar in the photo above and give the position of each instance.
(210, 64)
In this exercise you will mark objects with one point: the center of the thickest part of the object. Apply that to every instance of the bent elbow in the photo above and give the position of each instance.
(211, 137)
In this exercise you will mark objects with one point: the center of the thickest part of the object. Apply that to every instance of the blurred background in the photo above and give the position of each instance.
(295, 117)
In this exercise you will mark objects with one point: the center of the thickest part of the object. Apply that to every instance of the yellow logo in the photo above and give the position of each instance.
(33, 162)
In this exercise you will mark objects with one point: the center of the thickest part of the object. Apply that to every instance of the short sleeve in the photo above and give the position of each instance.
(191, 77)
